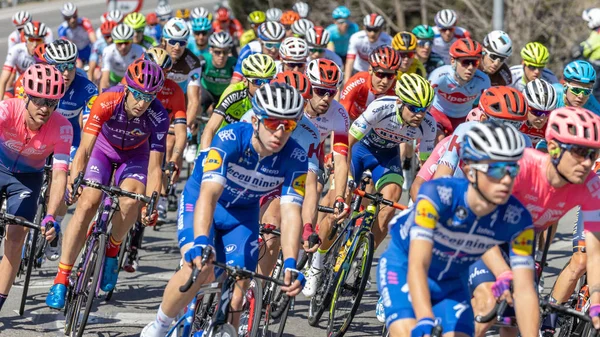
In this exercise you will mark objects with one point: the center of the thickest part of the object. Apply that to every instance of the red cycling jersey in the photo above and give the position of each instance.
(535, 134)
(235, 27)
(358, 94)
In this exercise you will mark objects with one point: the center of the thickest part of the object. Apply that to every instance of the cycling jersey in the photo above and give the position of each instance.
(17, 37)
(335, 120)
(434, 61)
(416, 67)
(358, 94)
(154, 32)
(148, 42)
(235, 28)
(359, 48)
(173, 100)
(97, 51)
(590, 47)
(591, 104)
(25, 151)
(254, 47)
(341, 41)
(452, 99)
(79, 36)
(535, 135)
(116, 63)
(518, 76)
(441, 47)
(502, 77)
(234, 103)
(193, 47)
(216, 80)
(18, 59)
(186, 71)
(332, 56)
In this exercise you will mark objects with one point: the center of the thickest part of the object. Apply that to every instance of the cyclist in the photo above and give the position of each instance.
(138, 149)
(20, 57)
(423, 52)
(318, 39)
(31, 132)
(20, 19)
(98, 49)
(255, 19)
(137, 21)
(225, 22)
(497, 47)
(363, 43)
(457, 86)
(366, 86)
(542, 98)
(302, 8)
(293, 54)
(183, 13)
(118, 56)
(270, 35)
(113, 16)
(258, 70)
(79, 31)
(446, 33)
(287, 20)
(198, 41)
(164, 13)
(217, 69)
(300, 27)
(456, 221)
(535, 57)
(579, 78)
(153, 29)
(406, 44)
(273, 14)
(341, 31)
(588, 49)
(261, 146)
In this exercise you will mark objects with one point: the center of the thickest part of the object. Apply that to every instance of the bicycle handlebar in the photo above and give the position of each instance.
(377, 199)
(113, 190)
(326, 209)
(564, 310)
(19, 221)
(497, 312)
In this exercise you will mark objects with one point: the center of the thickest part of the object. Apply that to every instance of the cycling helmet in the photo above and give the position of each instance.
(324, 73)
(274, 14)
(182, 13)
(535, 54)
(69, 9)
(35, 29)
(424, 32)
(42, 80)
(300, 27)
(385, 57)
(145, 76)
(446, 18)
(317, 37)
(271, 31)
(341, 12)
(404, 41)
(289, 17)
(160, 57)
(373, 21)
(114, 15)
(201, 12)
(492, 140)
(301, 8)
(293, 49)
(498, 42)
(61, 51)
(505, 103)
(278, 100)
(177, 29)
(475, 115)
(164, 12)
(220, 40)
(592, 16)
(574, 125)
(580, 71)
(21, 18)
(38, 53)
(151, 19)
(541, 95)
(135, 20)
(223, 14)
(297, 80)
(107, 27)
(122, 32)
(414, 90)
(201, 24)
(258, 66)
(257, 17)
(465, 47)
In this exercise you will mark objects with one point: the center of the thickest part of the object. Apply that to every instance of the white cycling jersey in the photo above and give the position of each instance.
(18, 59)
(116, 63)
(15, 38)
(518, 77)
(359, 48)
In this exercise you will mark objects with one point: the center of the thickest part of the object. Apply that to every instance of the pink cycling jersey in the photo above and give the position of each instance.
(25, 151)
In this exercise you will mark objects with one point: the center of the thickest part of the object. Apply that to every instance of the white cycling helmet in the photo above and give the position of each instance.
(300, 27)
(220, 40)
(278, 100)
(446, 18)
(498, 42)
(274, 14)
(592, 16)
(69, 9)
(301, 8)
(492, 140)
(541, 95)
(21, 18)
(317, 36)
(373, 21)
(61, 51)
(114, 16)
(271, 31)
(293, 49)
(122, 32)
(164, 11)
(176, 28)
(200, 12)
(35, 29)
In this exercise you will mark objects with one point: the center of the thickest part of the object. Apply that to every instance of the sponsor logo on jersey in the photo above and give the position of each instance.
(91, 88)
(213, 161)
(426, 216)
(469, 244)
(593, 186)
(91, 101)
(351, 86)
(461, 213)
(226, 135)
(523, 243)
(251, 180)
(230, 248)
(299, 155)
(456, 97)
(298, 184)
(512, 214)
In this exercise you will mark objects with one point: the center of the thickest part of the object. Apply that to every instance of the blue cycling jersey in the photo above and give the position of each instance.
(592, 103)
(193, 47)
(253, 47)
(154, 32)
(341, 41)
(79, 98)
(98, 49)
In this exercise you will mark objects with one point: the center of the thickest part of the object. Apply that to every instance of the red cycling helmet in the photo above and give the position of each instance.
(107, 27)
(297, 80)
(289, 17)
(38, 53)
(223, 14)
(42, 80)
(151, 19)
(324, 73)
(386, 58)
(466, 47)
(504, 103)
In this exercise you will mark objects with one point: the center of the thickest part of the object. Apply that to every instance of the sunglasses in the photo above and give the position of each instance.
(287, 27)
(202, 32)
(495, 57)
(406, 55)
(383, 75)
(469, 62)
(317, 50)
(341, 21)
(539, 113)
(295, 64)
(322, 92)
(274, 124)
(534, 68)
(498, 170)
(272, 45)
(175, 42)
(444, 30)
(579, 90)
(47, 102)
(220, 52)
(64, 66)
(424, 43)
(140, 96)
(122, 43)
(67, 18)
(137, 31)
(34, 39)
(582, 151)
(415, 109)
(372, 29)
(259, 81)
(106, 37)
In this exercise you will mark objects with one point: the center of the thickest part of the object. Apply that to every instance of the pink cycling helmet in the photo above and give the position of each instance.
(576, 126)
(475, 115)
(42, 80)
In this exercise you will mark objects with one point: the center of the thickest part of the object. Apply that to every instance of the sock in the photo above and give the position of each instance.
(64, 270)
(2, 299)
(113, 247)
(162, 321)
(317, 261)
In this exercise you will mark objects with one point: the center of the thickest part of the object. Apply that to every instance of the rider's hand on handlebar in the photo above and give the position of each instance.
(595, 315)
(200, 253)
(51, 233)
(71, 198)
(149, 220)
(341, 209)
(501, 288)
(293, 277)
(423, 327)
(307, 233)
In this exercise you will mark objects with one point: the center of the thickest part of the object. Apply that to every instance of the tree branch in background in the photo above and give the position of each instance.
(399, 8)
(482, 21)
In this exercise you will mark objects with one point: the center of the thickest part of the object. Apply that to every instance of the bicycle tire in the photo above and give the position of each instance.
(75, 299)
(255, 308)
(366, 242)
(277, 306)
(385, 332)
(225, 330)
(125, 248)
(205, 308)
(28, 270)
(588, 330)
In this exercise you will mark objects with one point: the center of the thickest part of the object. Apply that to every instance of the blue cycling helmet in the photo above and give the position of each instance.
(201, 24)
(341, 12)
(580, 71)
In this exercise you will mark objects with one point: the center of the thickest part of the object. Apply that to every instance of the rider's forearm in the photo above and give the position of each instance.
(340, 174)
(193, 96)
(526, 302)
(210, 130)
(494, 260)
(205, 208)
(291, 230)
(414, 188)
(104, 81)
(155, 173)
(57, 191)
(592, 246)
(93, 37)
(3, 82)
(419, 290)
(311, 199)
(180, 142)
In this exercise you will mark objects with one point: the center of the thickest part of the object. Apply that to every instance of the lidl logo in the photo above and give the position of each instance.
(427, 215)
(299, 184)
(213, 161)
(523, 244)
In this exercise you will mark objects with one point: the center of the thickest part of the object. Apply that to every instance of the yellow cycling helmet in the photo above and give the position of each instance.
(182, 13)
(413, 89)
(247, 37)
(160, 57)
(535, 54)
(258, 66)
(257, 17)
(404, 42)
(135, 20)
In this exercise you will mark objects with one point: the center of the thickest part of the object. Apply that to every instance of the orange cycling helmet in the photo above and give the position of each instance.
(297, 80)
(223, 14)
(385, 57)
(289, 17)
(38, 53)
(505, 103)
(466, 47)
(576, 126)
(107, 27)
(151, 19)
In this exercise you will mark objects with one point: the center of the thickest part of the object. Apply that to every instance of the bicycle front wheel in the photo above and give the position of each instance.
(28, 261)
(252, 311)
(277, 306)
(225, 330)
(350, 286)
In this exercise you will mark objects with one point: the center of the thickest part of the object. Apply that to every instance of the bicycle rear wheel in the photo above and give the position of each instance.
(225, 330)
(351, 285)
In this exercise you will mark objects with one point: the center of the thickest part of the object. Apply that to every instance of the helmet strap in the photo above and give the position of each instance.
(475, 185)
(556, 160)
(399, 109)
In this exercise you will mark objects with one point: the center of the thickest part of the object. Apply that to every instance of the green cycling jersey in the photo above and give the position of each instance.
(216, 80)
(148, 42)
(234, 103)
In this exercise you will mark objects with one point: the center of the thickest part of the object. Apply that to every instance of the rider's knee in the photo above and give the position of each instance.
(128, 203)
(578, 263)
(401, 328)
(483, 299)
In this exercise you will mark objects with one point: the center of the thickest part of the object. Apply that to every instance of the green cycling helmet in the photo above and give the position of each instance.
(135, 20)
(424, 32)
